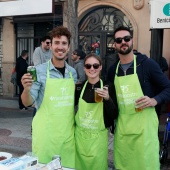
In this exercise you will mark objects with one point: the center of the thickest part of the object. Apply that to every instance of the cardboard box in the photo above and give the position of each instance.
(13, 164)
(29, 161)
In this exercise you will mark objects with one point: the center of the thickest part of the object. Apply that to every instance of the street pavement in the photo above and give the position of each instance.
(15, 128)
(15, 131)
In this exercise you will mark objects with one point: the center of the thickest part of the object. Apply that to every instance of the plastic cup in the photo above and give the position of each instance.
(137, 108)
(97, 98)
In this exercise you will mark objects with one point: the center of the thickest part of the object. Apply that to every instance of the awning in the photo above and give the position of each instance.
(37, 18)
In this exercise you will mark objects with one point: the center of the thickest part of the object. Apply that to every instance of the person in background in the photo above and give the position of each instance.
(93, 119)
(53, 94)
(21, 69)
(43, 53)
(136, 144)
(78, 59)
(164, 68)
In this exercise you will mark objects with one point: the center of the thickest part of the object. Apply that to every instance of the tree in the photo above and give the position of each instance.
(71, 17)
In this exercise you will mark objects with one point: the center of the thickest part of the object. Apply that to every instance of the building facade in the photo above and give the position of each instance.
(97, 20)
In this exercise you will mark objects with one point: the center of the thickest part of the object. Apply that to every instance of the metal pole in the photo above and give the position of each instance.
(156, 44)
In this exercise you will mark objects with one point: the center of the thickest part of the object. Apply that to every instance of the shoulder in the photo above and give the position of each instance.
(37, 49)
(142, 58)
(111, 72)
(79, 66)
(70, 68)
(41, 67)
(148, 63)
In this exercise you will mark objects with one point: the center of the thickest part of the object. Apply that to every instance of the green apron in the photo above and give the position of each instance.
(136, 144)
(91, 136)
(53, 124)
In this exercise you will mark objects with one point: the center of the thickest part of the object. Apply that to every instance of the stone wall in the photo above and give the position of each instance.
(8, 60)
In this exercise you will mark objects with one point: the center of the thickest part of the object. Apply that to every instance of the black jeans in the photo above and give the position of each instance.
(21, 88)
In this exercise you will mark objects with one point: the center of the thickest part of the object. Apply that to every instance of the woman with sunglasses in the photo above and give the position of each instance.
(93, 119)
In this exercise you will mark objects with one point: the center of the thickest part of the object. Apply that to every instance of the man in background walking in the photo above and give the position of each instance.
(21, 69)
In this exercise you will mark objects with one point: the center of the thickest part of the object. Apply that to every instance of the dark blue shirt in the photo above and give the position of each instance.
(154, 83)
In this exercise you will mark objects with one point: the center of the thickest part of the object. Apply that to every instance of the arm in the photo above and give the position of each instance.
(154, 80)
(78, 89)
(110, 108)
(27, 83)
(110, 112)
(161, 82)
(80, 74)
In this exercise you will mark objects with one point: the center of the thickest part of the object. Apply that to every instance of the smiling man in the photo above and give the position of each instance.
(135, 78)
(53, 94)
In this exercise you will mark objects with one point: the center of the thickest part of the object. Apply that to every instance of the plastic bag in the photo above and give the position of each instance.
(14, 77)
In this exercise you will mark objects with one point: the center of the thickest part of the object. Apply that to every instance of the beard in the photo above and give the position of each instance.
(47, 48)
(124, 52)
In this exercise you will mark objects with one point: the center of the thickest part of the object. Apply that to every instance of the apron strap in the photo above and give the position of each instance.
(48, 74)
(134, 60)
(82, 92)
(134, 64)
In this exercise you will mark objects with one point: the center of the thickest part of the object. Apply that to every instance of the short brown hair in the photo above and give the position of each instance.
(60, 31)
(122, 28)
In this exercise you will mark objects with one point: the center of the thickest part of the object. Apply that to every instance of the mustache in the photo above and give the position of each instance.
(123, 45)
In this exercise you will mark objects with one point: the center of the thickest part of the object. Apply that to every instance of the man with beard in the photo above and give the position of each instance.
(43, 53)
(53, 94)
(136, 144)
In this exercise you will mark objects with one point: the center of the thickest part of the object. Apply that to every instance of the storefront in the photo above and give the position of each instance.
(96, 32)
(96, 22)
(22, 31)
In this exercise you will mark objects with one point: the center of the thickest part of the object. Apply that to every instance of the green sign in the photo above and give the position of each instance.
(166, 9)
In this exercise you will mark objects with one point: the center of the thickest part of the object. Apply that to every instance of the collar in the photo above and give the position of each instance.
(53, 68)
(92, 86)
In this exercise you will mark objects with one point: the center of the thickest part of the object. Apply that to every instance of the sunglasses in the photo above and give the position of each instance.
(74, 53)
(48, 43)
(126, 39)
(95, 66)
